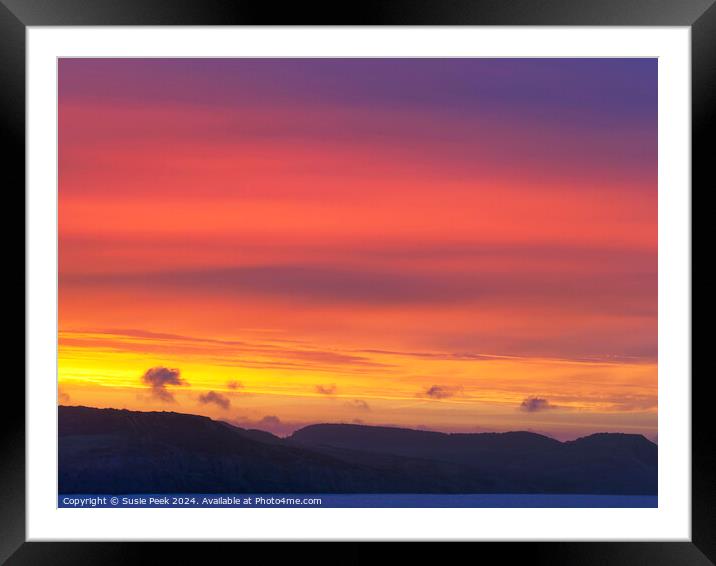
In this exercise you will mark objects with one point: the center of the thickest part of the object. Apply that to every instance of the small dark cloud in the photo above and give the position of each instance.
(536, 404)
(159, 377)
(358, 404)
(358, 421)
(234, 385)
(442, 391)
(270, 420)
(326, 389)
(216, 398)
(64, 398)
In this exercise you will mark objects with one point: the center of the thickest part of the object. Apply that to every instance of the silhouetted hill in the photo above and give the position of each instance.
(119, 451)
(462, 448)
(517, 462)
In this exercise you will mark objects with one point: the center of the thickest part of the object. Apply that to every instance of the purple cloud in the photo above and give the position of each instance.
(442, 391)
(159, 377)
(216, 398)
(536, 404)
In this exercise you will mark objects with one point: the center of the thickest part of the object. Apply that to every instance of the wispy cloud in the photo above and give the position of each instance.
(359, 404)
(536, 404)
(212, 397)
(344, 285)
(326, 389)
(269, 354)
(442, 391)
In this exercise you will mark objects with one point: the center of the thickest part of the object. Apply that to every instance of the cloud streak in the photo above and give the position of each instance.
(536, 405)
(442, 391)
(344, 285)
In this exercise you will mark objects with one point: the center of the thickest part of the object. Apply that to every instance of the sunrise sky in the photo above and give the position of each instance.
(455, 244)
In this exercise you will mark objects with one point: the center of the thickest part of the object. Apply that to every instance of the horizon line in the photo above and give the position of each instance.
(361, 425)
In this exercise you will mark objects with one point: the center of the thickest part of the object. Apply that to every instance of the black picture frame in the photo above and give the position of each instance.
(17, 15)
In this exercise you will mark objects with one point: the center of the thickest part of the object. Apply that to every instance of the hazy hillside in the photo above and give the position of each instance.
(514, 462)
(118, 451)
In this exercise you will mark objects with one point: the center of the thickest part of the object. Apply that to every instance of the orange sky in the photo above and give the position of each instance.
(459, 245)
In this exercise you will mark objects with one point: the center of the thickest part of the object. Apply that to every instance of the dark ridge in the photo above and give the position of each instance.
(121, 451)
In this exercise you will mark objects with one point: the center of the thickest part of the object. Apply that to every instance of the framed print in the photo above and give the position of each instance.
(422, 274)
